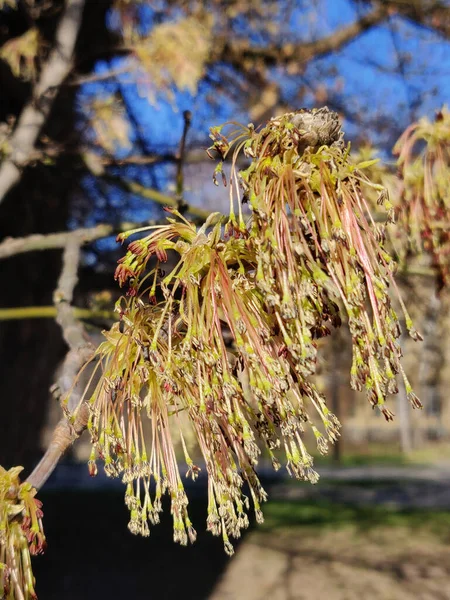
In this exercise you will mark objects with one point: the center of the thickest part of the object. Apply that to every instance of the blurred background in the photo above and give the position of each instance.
(122, 131)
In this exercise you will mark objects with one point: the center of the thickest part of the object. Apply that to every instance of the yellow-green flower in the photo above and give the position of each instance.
(228, 336)
(21, 535)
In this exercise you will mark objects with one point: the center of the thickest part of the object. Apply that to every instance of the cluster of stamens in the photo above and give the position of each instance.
(228, 337)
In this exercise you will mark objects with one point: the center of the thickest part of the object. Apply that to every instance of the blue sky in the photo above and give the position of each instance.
(363, 77)
(367, 68)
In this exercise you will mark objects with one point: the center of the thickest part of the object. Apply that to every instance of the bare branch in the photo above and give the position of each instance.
(81, 350)
(63, 436)
(72, 329)
(151, 194)
(69, 277)
(52, 151)
(95, 77)
(36, 112)
(50, 312)
(237, 52)
(431, 14)
(144, 159)
(187, 116)
(13, 246)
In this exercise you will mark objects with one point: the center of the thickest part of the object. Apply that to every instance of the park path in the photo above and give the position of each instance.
(351, 562)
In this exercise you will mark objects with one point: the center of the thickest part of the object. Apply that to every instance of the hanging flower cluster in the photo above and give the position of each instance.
(424, 162)
(317, 241)
(228, 337)
(21, 535)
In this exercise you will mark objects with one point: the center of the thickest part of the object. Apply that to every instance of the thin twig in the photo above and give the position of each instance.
(50, 312)
(158, 197)
(52, 150)
(187, 116)
(95, 77)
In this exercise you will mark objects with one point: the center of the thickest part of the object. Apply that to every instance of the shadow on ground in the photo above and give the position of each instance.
(320, 549)
(91, 554)
(341, 540)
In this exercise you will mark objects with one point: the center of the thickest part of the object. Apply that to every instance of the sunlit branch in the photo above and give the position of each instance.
(49, 312)
(31, 243)
(156, 196)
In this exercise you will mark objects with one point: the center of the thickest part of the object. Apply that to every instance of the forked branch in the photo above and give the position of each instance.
(80, 350)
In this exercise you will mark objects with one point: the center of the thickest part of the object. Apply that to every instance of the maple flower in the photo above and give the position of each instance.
(21, 535)
(228, 336)
(425, 195)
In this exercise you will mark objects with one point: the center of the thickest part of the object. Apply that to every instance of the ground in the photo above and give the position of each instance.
(372, 533)
(347, 560)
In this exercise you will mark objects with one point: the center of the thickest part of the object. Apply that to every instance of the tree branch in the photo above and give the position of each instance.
(13, 246)
(240, 51)
(134, 187)
(187, 117)
(36, 112)
(73, 331)
(80, 351)
(64, 435)
(50, 312)
(431, 14)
